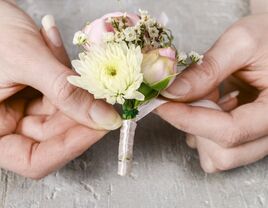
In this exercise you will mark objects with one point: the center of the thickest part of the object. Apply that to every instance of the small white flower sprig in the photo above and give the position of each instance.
(186, 60)
(147, 33)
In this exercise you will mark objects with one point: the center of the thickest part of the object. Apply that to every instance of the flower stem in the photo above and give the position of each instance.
(129, 110)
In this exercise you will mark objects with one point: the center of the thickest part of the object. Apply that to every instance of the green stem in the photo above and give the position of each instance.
(129, 110)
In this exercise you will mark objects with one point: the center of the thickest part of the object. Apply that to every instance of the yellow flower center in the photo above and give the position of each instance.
(111, 70)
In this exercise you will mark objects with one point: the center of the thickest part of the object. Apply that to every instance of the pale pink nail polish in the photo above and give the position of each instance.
(48, 22)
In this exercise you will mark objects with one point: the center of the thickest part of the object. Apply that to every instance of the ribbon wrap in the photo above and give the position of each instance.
(127, 134)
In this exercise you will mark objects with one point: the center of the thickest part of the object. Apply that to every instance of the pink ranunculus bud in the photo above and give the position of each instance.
(159, 64)
(96, 29)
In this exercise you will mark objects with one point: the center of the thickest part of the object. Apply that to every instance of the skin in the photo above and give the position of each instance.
(40, 127)
(46, 133)
(237, 137)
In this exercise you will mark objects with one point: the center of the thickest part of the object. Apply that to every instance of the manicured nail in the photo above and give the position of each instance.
(105, 116)
(191, 140)
(48, 22)
(228, 97)
(177, 90)
(206, 104)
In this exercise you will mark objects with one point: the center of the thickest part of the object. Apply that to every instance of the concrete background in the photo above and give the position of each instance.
(166, 173)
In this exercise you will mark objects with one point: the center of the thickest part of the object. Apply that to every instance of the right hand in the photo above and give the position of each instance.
(37, 138)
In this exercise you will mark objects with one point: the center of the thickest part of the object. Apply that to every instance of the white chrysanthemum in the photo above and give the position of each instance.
(80, 38)
(112, 72)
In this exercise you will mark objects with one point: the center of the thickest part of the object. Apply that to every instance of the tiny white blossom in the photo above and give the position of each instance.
(195, 57)
(137, 29)
(119, 37)
(153, 32)
(108, 37)
(121, 24)
(80, 38)
(144, 15)
(182, 56)
(150, 23)
(130, 34)
(143, 12)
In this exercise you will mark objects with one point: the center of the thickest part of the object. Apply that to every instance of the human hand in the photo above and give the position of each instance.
(27, 61)
(235, 138)
(39, 139)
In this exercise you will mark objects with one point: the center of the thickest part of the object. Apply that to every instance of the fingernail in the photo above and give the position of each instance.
(105, 116)
(206, 104)
(228, 97)
(177, 90)
(48, 22)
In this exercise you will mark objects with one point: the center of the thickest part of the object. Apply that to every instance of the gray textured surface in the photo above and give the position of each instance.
(166, 173)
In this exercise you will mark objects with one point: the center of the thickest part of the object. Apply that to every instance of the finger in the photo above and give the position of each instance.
(206, 162)
(10, 114)
(229, 158)
(41, 106)
(213, 96)
(259, 6)
(220, 61)
(36, 160)
(51, 80)
(229, 101)
(6, 92)
(226, 129)
(53, 40)
(200, 143)
(43, 127)
(191, 141)
(12, 1)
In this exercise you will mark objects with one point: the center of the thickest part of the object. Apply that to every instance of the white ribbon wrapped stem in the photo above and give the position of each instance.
(127, 134)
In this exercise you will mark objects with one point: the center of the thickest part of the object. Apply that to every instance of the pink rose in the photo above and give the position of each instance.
(159, 64)
(97, 28)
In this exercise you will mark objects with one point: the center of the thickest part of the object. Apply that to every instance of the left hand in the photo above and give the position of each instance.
(239, 136)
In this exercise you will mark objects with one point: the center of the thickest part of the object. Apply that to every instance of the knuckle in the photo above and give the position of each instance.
(210, 69)
(232, 137)
(245, 35)
(63, 89)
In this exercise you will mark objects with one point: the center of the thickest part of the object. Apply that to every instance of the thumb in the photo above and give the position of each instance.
(230, 53)
(74, 102)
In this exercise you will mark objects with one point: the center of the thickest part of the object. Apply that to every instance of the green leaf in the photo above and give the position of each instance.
(148, 92)
(161, 85)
